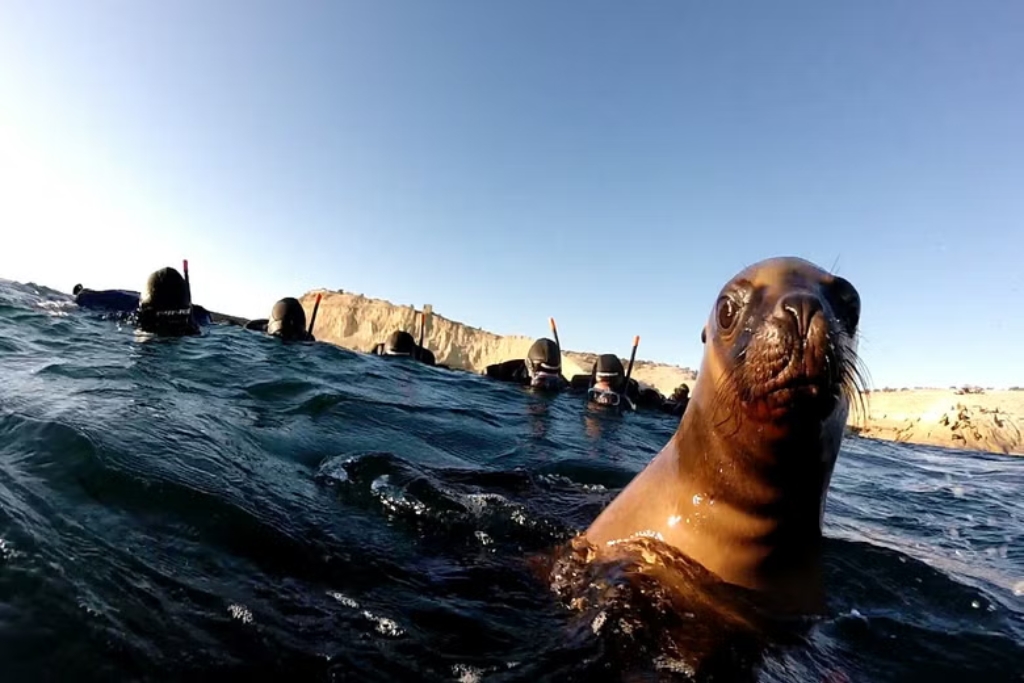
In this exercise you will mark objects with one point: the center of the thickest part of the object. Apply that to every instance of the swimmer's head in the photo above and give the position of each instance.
(607, 380)
(78, 288)
(544, 364)
(608, 372)
(165, 306)
(681, 392)
(287, 320)
(400, 343)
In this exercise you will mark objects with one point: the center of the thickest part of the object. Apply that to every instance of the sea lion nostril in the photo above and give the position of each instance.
(802, 307)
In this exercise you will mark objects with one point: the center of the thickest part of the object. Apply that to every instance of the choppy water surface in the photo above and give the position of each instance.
(230, 506)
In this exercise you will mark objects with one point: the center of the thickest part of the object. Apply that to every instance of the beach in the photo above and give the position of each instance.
(992, 421)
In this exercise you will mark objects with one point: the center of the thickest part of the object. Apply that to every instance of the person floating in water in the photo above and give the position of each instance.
(287, 320)
(541, 369)
(165, 306)
(676, 404)
(113, 300)
(125, 303)
(606, 384)
(400, 343)
(609, 384)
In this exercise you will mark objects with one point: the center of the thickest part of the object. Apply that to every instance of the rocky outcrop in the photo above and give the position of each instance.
(991, 422)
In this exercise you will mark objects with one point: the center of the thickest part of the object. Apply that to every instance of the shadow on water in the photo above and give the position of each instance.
(229, 506)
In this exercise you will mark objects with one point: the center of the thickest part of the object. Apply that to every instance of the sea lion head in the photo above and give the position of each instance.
(781, 345)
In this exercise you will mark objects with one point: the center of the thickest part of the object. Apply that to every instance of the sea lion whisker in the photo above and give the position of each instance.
(729, 397)
(854, 385)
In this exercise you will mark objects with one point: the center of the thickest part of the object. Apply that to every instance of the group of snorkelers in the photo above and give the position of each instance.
(164, 307)
(608, 384)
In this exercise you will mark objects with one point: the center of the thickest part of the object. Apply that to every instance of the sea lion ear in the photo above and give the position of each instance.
(704, 335)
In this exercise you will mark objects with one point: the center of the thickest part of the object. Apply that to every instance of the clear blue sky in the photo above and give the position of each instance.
(610, 164)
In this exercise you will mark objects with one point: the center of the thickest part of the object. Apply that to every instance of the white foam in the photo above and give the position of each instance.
(344, 599)
(467, 674)
(385, 626)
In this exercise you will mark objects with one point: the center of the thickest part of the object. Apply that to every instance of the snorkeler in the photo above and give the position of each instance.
(541, 369)
(165, 306)
(400, 343)
(287, 321)
(115, 300)
(609, 384)
(676, 404)
(127, 302)
(606, 384)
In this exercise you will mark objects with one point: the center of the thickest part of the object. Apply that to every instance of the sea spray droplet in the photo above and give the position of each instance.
(7, 551)
(479, 503)
(384, 626)
(666, 663)
(466, 674)
(241, 613)
(344, 599)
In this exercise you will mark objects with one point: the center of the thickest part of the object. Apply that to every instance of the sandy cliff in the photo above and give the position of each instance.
(993, 421)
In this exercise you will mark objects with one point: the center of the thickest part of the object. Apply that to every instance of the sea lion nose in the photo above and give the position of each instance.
(802, 306)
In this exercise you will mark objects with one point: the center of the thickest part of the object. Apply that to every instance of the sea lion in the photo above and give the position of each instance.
(741, 486)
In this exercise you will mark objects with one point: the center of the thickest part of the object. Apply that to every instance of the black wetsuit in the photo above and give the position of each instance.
(422, 354)
(117, 300)
(261, 325)
(677, 407)
(126, 303)
(515, 371)
(640, 398)
(201, 315)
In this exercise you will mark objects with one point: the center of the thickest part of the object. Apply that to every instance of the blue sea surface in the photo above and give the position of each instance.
(228, 506)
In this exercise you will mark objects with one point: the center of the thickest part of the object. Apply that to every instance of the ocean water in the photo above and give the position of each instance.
(231, 507)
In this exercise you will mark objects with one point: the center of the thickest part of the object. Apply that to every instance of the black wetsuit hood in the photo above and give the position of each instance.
(288, 320)
(165, 305)
(608, 368)
(544, 356)
(400, 343)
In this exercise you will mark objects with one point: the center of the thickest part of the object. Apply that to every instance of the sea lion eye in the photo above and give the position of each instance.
(847, 303)
(726, 313)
